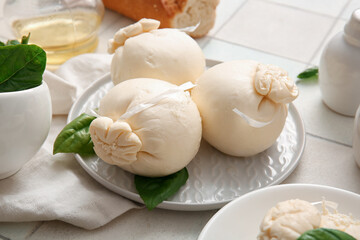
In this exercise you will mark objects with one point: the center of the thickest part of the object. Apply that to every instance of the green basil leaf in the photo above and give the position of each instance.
(21, 67)
(12, 42)
(309, 73)
(325, 234)
(75, 137)
(155, 190)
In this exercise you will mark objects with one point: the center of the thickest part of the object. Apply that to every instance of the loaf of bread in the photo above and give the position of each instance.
(171, 13)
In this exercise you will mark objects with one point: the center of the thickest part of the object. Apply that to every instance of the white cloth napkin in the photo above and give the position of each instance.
(56, 187)
(73, 77)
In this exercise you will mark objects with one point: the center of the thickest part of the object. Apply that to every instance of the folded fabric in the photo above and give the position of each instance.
(73, 77)
(56, 187)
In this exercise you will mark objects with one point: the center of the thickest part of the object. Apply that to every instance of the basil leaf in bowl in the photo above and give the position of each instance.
(21, 65)
(325, 234)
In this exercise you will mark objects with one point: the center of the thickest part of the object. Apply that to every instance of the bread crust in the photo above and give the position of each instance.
(163, 10)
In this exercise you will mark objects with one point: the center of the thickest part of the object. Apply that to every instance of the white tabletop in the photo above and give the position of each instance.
(291, 34)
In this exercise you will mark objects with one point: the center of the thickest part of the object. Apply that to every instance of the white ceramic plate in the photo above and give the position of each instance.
(214, 178)
(241, 218)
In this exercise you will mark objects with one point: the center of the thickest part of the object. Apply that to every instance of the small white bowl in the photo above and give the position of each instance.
(25, 123)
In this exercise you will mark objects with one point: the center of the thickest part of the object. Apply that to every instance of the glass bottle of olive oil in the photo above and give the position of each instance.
(62, 31)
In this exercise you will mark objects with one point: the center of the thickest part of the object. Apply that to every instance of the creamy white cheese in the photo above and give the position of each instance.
(288, 220)
(141, 50)
(259, 91)
(339, 221)
(144, 25)
(157, 141)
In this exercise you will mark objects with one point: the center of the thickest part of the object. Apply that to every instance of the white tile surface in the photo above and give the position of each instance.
(139, 224)
(224, 51)
(333, 7)
(109, 18)
(327, 163)
(352, 6)
(224, 11)
(203, 41)
(338, 27)
(319, 120)
(113, 21)
(276, 29)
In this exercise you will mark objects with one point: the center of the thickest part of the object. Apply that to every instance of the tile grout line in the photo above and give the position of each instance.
(212, 36)
(206, 42)
(322, 42)
(297, 8)
(328, 140)
(337, 18)
(228, 20)
(259, 50)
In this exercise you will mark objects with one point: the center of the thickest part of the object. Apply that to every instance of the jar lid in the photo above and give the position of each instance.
(352, 28)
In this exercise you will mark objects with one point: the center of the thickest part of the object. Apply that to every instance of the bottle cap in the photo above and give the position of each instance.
(352, 28)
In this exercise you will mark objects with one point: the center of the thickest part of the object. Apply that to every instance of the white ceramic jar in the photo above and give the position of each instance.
(339, 70)
(25, 123)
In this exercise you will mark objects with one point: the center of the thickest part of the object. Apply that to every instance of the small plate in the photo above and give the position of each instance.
(214, 178)
(241, 218)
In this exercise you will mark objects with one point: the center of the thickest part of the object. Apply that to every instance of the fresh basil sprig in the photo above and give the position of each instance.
(325, 234)
(75, 137)
(153, 191)
(309, 74)
(21, 65)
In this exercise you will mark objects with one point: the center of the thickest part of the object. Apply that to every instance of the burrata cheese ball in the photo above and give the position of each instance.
(259, 91)
(143, 51)
(157, 141)
(288, 220)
